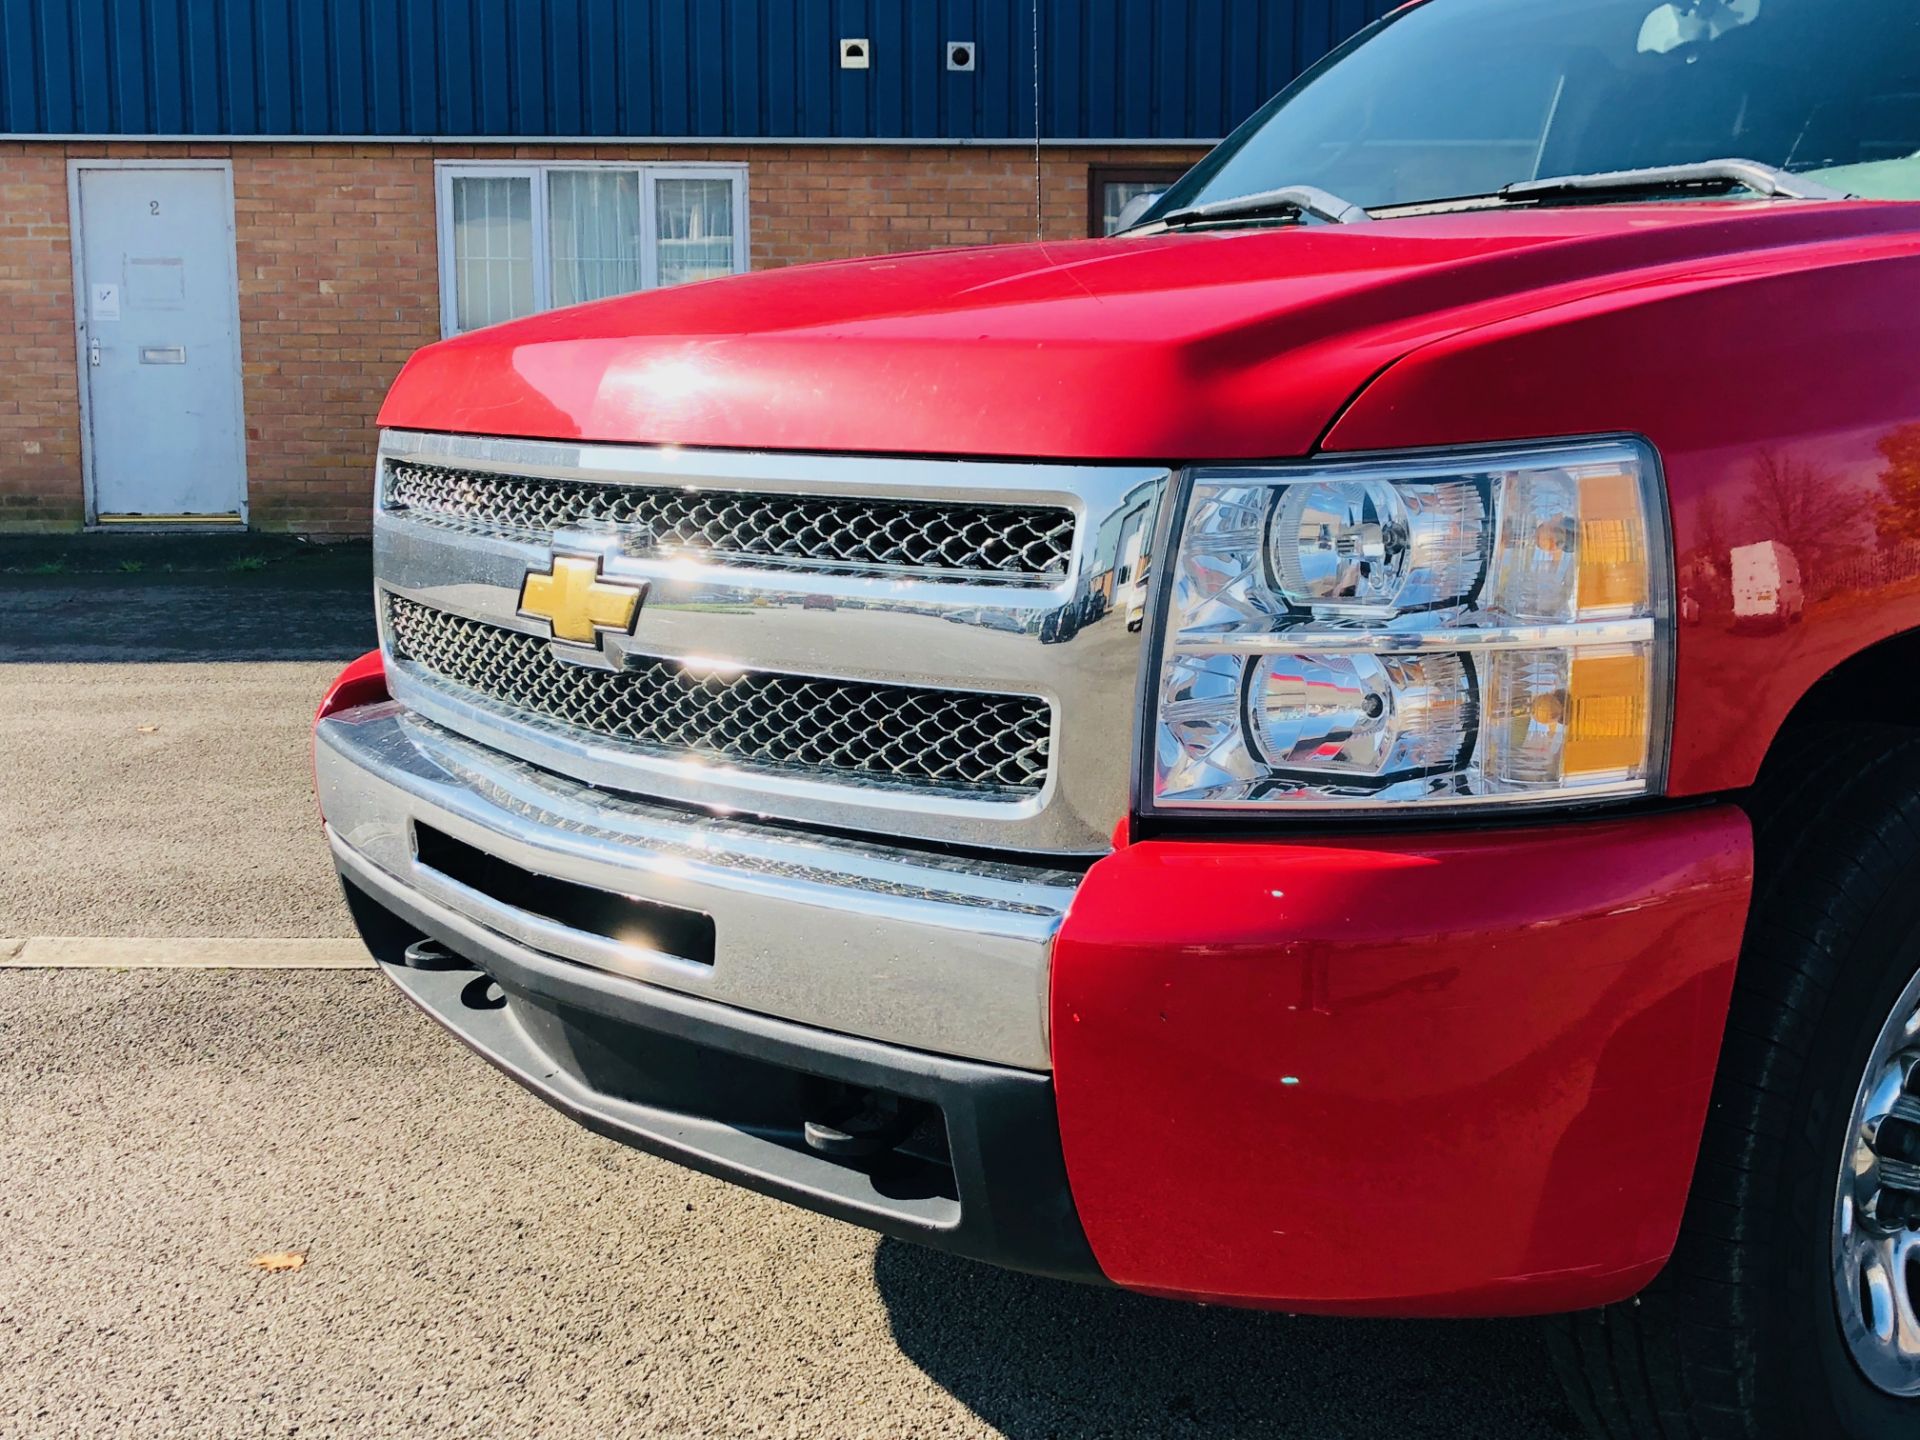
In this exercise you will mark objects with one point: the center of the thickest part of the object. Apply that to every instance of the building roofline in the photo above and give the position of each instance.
(732, 141)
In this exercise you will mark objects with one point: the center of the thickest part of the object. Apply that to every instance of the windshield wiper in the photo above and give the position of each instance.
(1767, 180)
(1305, 201)
(1311, 202)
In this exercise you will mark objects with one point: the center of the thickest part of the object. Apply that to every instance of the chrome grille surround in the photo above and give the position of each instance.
(951, 740)
(981, 542)
(1068, 644)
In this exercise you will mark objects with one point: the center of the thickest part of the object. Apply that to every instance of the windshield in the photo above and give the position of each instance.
(1456, 98)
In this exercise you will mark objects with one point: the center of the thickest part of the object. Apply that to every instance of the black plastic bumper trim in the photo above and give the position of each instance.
(1011, 1204)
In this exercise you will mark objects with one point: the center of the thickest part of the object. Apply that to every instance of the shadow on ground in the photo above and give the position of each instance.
(116, 599)
(1040, 1358)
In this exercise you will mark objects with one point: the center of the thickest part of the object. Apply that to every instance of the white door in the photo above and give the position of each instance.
(159, 349)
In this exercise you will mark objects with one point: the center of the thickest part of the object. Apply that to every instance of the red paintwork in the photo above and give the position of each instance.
(1767, 386)
(364, 682)
(1183, 347)
(1719, 330)
(1503, 1040)
(1503, 1043)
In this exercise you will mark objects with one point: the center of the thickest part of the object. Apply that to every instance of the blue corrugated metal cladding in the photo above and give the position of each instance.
(1110, 69)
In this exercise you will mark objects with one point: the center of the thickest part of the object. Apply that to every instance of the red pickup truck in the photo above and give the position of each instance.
(1239, 760)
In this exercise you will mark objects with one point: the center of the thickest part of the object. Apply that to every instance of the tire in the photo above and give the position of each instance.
(1740, 1337)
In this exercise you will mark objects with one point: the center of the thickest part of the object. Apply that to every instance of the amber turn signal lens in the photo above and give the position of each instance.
(1613, 545)
(1607, 714)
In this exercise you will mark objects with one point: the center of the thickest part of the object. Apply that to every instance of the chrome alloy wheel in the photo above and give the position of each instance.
(1876, 1222)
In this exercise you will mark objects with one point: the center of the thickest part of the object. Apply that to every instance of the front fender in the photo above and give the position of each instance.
(1783, 394)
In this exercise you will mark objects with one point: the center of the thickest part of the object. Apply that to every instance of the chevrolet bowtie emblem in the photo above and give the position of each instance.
(578, 603)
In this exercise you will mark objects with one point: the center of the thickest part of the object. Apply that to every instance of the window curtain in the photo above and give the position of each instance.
(492, 249)
(593, 233)
(695, 224)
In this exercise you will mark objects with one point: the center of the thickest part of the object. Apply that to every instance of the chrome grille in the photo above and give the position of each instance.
(1008, 543)
(994, 745)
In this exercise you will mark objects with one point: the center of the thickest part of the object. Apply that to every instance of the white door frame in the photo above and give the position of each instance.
(76, 243)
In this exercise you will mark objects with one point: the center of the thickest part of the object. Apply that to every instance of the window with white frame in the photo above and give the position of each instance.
(516, 238)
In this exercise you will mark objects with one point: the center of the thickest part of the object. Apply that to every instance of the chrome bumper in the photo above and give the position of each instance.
(918, 950)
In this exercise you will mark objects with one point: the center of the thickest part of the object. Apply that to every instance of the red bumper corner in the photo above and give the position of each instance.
(1454, 1075)
(364, 682)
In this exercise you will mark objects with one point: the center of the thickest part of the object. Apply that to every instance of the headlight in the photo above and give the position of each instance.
(1385, 633)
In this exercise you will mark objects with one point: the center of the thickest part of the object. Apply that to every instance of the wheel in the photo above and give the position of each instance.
(1791, 1307)
(1876, 1218)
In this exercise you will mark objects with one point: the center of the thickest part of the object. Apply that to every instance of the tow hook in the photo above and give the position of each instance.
(870, 1124)
(431, 955)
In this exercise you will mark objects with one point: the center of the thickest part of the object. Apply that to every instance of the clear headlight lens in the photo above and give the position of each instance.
(1371, 548)
(1384, 633)
(1359, 714)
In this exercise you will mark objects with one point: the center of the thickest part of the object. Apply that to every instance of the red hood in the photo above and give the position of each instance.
(1230, 345)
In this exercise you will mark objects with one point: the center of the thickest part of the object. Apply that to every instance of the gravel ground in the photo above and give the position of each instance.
(475, 1263)
(155, 771)
(478, 1265)
(166, 799)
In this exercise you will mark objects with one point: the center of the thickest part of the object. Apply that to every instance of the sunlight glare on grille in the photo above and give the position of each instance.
(1008, 543)
(939, 739)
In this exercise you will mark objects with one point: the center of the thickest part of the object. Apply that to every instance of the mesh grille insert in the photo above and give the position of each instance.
(1001, 542)
(939, 739)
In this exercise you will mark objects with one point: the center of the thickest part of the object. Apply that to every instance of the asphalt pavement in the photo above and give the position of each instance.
(473, 1263)
(153, 736)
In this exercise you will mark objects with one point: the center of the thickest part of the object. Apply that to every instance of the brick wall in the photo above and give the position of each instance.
(338, 267)
(339, 283)
(39, 386)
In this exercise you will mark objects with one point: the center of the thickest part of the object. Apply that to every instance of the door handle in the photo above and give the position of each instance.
(93, 353)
